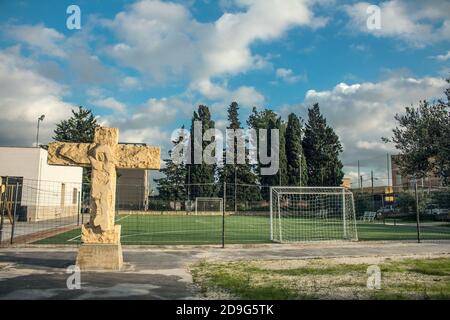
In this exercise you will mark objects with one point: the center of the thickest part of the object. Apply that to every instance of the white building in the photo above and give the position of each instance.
(45, 192)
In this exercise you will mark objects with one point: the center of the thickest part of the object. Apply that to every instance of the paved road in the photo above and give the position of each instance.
(162, 273)
(28, 228)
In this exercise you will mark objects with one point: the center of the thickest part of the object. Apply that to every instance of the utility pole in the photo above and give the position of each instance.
(280, 176)
(388, 170)
(300, 171)
(41, 118)
(371, 178)
(359, 176)
(417, 211)
(373, 197)
(189, 183)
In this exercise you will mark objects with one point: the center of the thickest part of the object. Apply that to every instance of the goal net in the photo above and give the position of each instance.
(208, 206)
(312, 214)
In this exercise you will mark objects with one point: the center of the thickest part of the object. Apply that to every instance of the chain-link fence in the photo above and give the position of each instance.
(42, 212)
(33, 211)
(403, 213)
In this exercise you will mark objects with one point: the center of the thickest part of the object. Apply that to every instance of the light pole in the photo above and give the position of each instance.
(41, 118)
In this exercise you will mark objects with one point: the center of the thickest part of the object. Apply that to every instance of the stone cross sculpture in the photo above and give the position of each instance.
(100, 237)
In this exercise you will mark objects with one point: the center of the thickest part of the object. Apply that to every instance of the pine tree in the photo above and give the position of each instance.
(322, 147)
(296, 161)
(238, 174)
(201, 174)
(78, 128)
(172, 187)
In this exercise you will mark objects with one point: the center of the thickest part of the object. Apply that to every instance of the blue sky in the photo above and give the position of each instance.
(143, 66)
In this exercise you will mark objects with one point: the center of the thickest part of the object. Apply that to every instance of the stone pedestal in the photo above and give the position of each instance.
(100, 257)
(101, 250)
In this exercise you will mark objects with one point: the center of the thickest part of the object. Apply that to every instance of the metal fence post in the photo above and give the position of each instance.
(235, 190)
(344, 213)
(417, 212)
(15, 212)
(223, 212)
(271, 215)
(2, 209)
(79, 208)
(82, 202)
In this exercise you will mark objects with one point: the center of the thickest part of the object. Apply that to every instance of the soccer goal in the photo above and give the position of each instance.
(208, 206)
(312, 214)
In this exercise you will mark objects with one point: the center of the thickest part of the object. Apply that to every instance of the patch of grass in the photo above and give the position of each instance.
(326, 279)
(332, 270)
(433, 267)
(238, 281)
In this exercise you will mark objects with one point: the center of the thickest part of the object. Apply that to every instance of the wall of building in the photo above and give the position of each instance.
(19, 162)
(401, 182)
(48, 192)
(132, 189)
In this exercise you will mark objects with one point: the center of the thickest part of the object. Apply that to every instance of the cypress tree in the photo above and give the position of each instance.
(202, 174)
(296, 161)
(236, 175)
(322, 148)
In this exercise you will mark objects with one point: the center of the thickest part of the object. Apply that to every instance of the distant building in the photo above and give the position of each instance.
(132, 189)
(41, 191)
(402, 183)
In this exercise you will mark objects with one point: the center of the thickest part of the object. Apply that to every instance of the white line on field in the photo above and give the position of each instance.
(78, 236)
(123, 217)
(169, 232)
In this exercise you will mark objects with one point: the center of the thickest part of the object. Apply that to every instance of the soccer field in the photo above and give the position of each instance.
(191, 229)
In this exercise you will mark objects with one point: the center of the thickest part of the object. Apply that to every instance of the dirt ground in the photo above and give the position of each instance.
(164, 272)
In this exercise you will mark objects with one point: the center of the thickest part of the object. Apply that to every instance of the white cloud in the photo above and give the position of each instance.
(45, 40)
(418, 23)
(244, 95)
(247, 96)
(289, 76)
(25, 95)
(109, 103)
(164, 41)
(362, 113)
(443, 57)
(130, 83)
(151, 122)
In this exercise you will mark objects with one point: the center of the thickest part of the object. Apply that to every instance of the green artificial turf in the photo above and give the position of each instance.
(191, 229)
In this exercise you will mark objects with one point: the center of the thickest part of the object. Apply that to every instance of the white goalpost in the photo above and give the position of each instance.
(312, 214)
(205, 205)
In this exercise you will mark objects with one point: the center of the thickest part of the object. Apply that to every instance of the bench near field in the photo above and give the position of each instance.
(368, 216)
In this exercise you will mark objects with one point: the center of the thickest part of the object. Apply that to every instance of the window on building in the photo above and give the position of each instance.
(75, 196)
(399, 179)
(63, 194)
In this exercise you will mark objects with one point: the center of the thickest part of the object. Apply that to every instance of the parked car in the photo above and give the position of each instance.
(433, 209)
(387, 211)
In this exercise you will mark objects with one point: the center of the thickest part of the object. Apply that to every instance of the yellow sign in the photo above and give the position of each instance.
(389, 194)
